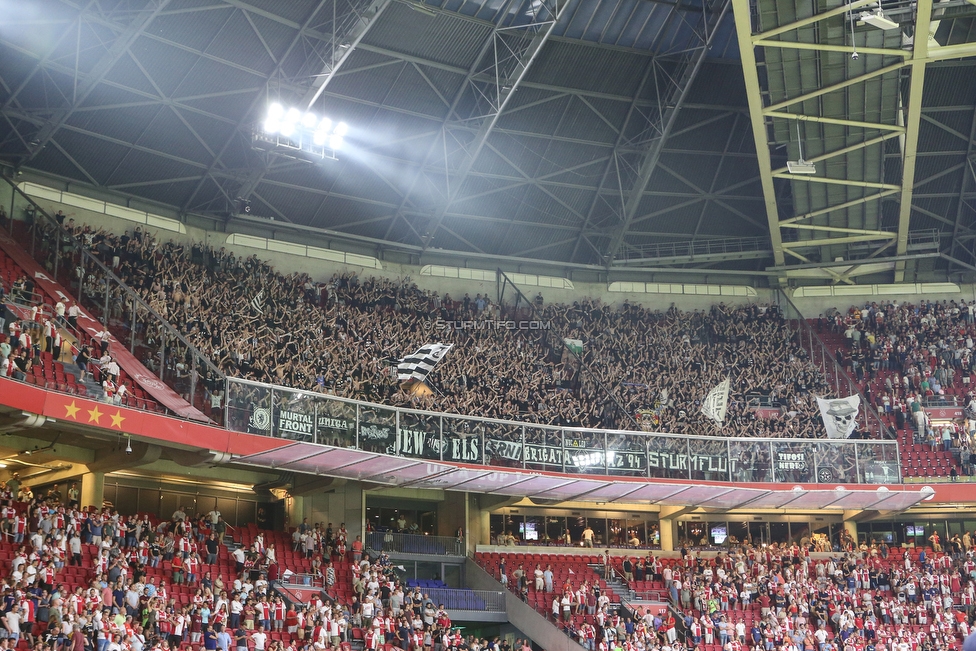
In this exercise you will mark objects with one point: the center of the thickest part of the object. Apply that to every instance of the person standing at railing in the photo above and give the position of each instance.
(357, 549)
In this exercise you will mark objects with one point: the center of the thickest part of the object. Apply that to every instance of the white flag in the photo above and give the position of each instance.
(839, 415)
(418, 365)
(716, 403)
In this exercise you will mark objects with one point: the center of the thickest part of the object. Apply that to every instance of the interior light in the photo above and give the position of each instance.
(276, 110)
(271, 125)
(341, 129)
(310, 120)
(335, 142)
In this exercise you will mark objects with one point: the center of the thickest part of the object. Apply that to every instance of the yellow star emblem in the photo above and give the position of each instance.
(72, 409)
(94, 415)
(117, 419)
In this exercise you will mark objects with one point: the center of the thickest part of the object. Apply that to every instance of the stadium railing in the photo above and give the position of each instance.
(129, 319)
(390, 542)
(322, 419)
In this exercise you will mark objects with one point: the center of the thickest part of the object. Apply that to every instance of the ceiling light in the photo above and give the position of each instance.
(800, 166)
(877, 19)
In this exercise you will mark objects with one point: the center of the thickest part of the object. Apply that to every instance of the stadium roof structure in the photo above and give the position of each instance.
(311, 458)
(632, 136)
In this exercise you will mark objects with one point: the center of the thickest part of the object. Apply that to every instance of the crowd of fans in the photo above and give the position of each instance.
(923, 353)
(775, 598)
(344, 336)
(124, 603)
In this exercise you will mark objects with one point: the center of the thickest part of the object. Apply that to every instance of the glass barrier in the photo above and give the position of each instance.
(268, 410)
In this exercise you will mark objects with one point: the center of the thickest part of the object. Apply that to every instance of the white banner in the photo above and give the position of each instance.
(839, 415)
(716, 403)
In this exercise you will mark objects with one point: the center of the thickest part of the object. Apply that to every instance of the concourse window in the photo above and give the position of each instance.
(779, 533)
(556, 530)
(738, 532)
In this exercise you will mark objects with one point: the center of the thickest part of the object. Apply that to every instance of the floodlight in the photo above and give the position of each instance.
(293, 115)
(341, 129)
(325, 125)
(800, 166)
(310, 120)
(335, 142)
(271, 125)
(877, 19)
(287, 128)
(276, 110)
(319, 138)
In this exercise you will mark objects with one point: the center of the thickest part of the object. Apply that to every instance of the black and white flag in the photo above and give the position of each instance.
(258, 301)
(716, 403)
(418, 365)
(839, 415)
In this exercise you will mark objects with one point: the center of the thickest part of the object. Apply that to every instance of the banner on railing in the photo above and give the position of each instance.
(328, 420)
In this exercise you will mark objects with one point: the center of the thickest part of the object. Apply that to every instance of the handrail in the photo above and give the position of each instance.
(131, 297)
(332, 421)
(306, 393)
(387, 542)
(464, 599)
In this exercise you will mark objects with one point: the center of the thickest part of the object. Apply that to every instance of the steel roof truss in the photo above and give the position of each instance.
(102, 67)
(912, 118)
(487, 91)
(638, 169)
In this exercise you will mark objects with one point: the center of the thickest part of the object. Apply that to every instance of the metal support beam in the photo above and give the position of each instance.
(821, 179)
(296, 39)
(834, 87)
(840, 206)
(632, 111)
(841, 152)
(968, 174)
(342, 45)
(691, 63)
(750, 73)
(803, 22)
(913, 116)
(894, 128)
(831, 241)
(323, 65)
(513, 50)
(824, 47)
(101, 68)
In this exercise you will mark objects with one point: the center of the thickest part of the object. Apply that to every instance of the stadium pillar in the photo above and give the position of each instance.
(93, 489)
(294, 510)
(667, 524)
